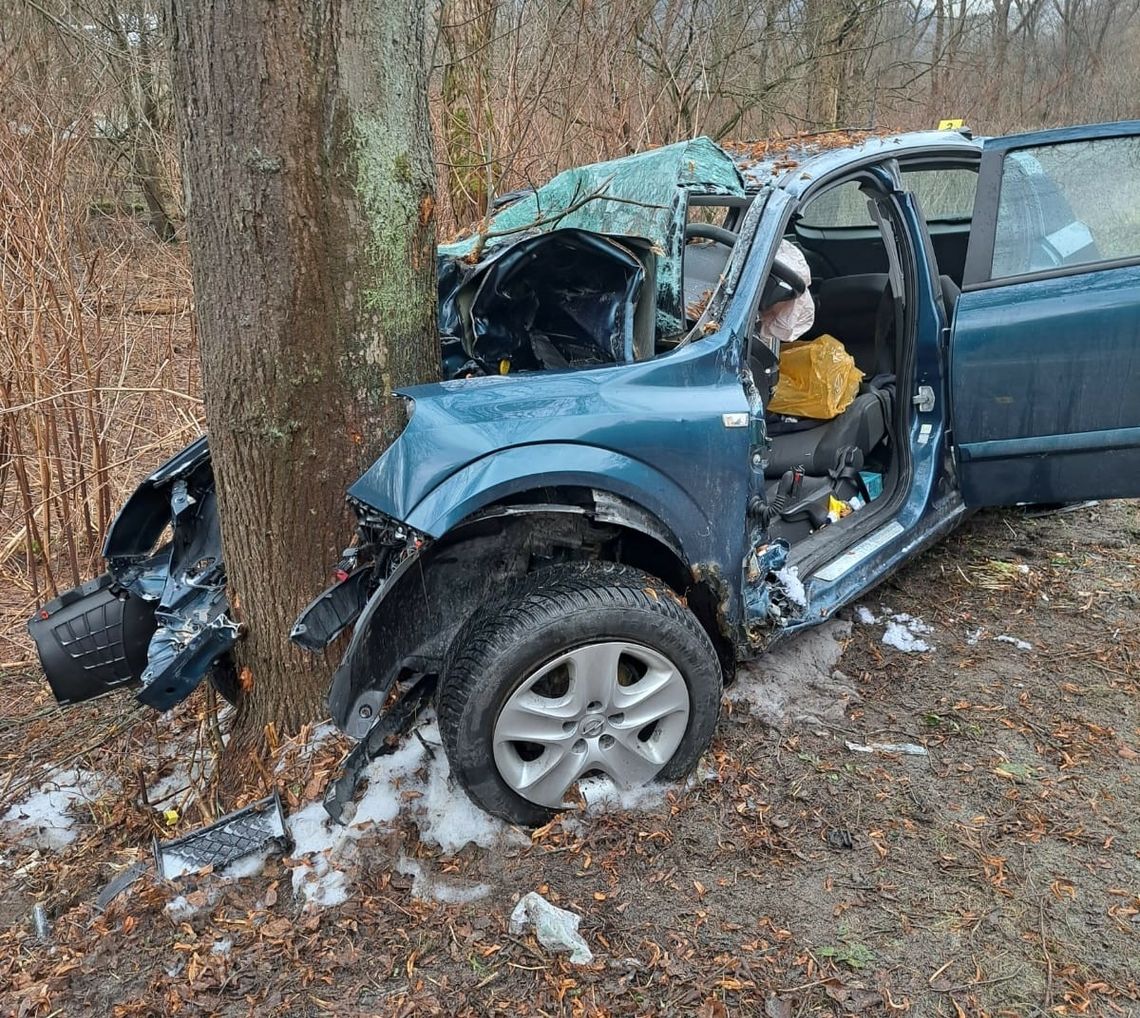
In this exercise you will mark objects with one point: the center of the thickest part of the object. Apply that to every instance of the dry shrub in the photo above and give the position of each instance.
(97, 370)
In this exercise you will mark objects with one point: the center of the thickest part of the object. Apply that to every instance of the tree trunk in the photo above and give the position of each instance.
(309, 181)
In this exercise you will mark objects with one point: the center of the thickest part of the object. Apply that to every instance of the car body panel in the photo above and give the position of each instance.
(652, 432)
(802, 165)
(1046, 389)
(181, 582)
(1045, 366)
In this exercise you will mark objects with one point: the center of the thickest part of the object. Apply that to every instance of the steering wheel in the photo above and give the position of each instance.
(708, 231)
(719, 235)
(789, 276)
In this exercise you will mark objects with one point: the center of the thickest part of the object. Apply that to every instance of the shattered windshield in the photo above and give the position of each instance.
(600, 265)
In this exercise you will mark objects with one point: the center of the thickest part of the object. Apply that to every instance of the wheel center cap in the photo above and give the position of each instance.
(592, 726)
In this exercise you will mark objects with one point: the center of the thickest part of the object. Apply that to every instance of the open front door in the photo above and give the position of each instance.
(1045, 348)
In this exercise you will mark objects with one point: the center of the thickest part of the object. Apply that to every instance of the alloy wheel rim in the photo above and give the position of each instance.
(612, 707)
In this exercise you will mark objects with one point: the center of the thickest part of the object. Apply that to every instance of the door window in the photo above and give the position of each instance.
(843, 207)
(1068, 204)
(946, 194)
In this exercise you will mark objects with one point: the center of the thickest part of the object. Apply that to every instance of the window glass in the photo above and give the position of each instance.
(947, 195)
(1075, 203)
(842, 206)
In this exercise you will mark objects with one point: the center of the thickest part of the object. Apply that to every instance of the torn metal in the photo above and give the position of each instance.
(586, 269)
(582, 271)
(158, 618)
(382, 738)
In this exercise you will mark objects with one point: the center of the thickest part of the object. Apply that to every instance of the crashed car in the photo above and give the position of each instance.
(596, 516)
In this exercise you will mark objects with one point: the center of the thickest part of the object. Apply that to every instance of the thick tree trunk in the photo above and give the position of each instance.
(309, 182)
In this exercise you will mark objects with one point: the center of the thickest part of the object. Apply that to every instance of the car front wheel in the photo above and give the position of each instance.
(583, 669)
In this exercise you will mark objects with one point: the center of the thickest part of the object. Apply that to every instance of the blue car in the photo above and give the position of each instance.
(598, 514)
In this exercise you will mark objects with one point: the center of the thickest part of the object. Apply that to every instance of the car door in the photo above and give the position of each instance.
(1045, 346)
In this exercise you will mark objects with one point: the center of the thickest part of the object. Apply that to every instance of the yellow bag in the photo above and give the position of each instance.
(817, 379)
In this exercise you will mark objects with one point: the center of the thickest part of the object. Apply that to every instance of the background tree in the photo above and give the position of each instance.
(468, 116)
(307, 159)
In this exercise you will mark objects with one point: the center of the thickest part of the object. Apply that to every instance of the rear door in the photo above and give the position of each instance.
(1045, 347)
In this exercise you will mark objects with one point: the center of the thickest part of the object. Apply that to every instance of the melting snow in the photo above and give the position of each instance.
(900, 636)
(45, 819)
(903, 632)
(180, 908)
(603, 796)
(450, 892)
(324, 852)
(1019, 644)
(789, 579)
(166, 787)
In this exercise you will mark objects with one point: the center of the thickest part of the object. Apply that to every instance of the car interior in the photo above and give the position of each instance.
(825, 473)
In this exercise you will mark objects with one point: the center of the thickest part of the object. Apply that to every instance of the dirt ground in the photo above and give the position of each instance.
(996, 872)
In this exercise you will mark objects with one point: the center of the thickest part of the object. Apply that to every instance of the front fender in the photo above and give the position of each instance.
(408, 623)
(499, 475)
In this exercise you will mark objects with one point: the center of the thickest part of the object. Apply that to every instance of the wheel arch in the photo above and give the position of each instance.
(409, 623)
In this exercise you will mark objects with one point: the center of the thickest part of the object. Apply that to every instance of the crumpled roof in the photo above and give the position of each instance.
(641, 196)
(636, 195)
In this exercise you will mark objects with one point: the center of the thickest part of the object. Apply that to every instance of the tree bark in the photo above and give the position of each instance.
(307, 161)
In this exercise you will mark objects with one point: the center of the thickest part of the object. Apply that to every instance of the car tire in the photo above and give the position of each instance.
(547, 626)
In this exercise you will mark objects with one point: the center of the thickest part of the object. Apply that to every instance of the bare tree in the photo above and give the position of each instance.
(308, 170)
(468, 29)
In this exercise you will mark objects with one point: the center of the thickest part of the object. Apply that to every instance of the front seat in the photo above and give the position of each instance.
(816, 445)
(863, 425)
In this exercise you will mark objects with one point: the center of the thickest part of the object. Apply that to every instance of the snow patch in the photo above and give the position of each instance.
(157, 792)
(602, 795)
(444, 815)
(789, 578)
(902, 631)
(323, 849)
(180, 908)
(324, 852)
(1019, 644)
(902, 637)
(45, 819)
(450, 892)
(223, 946)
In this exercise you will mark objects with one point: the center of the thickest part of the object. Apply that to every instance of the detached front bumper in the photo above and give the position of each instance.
(158, 618)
